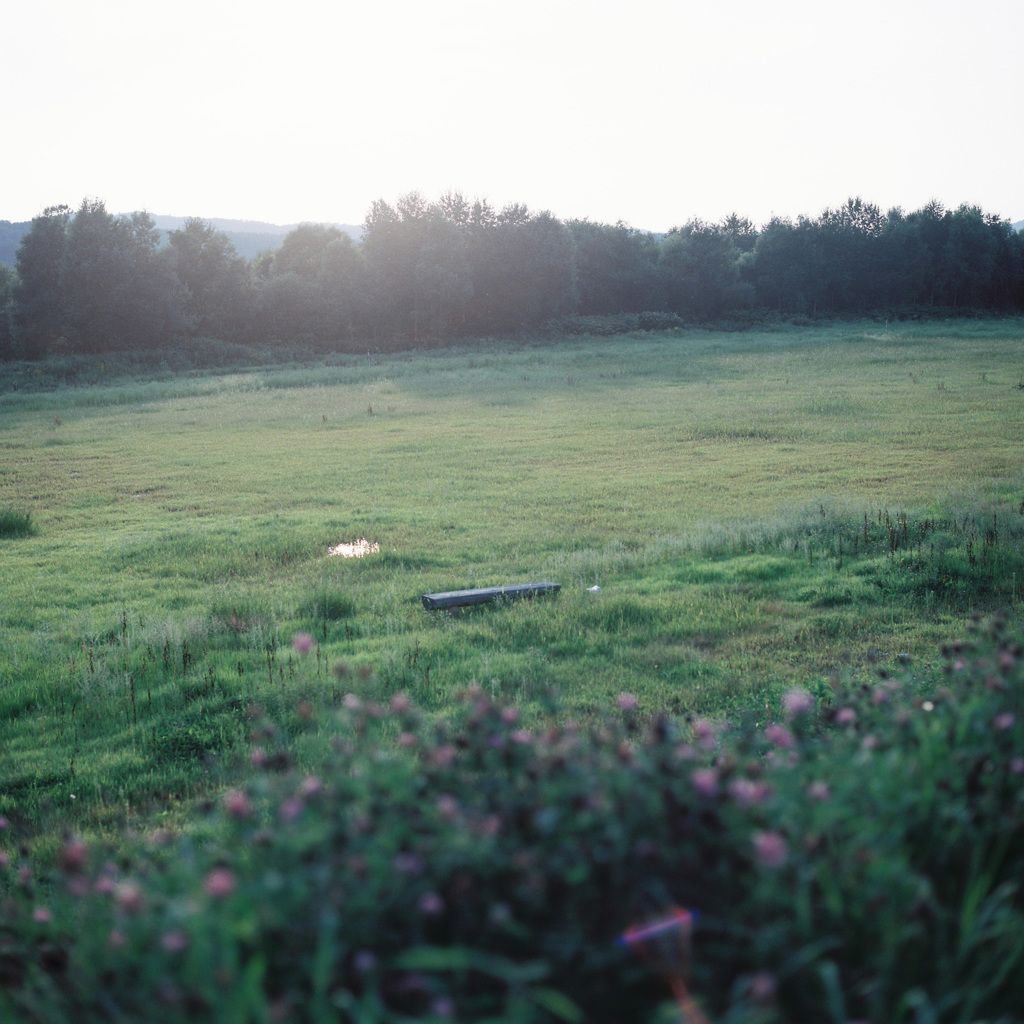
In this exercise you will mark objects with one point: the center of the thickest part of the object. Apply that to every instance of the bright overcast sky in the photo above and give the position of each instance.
(647, 111)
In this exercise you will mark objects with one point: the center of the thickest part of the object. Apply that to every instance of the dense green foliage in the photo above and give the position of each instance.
(427, 272)
(857, 858)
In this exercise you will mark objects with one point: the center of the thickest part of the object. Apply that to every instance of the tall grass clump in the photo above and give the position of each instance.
(15, 522)
(857, 858)
(329, 604)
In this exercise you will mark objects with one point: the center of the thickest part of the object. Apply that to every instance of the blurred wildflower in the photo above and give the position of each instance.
(430, 904)
(749, 792)
(128, 896)
(443, 756)
(705, 733)
(779, 736)
(626, 702)
(705, 781)
(409, 864)
(762, 987)
(42, 915)
(797, 702)
(303, 643)
(400, 703)
(74, 855)
(447, 807)
(490, 825)
(237, 803)
(771, 849)
(1004, 721)
(364, 961)
(220, 882)
(175, 941)
(846, 716)
(311, 785)
(819, 791)
(291, 808)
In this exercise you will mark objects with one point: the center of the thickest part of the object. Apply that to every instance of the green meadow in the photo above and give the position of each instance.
(759, 509)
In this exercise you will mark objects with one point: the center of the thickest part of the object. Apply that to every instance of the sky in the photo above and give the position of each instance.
(650, 112)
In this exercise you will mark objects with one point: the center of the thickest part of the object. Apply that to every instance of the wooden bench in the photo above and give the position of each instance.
(459, 598)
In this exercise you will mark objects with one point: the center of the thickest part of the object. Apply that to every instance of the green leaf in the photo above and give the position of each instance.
(461, 958)
(557, 1003)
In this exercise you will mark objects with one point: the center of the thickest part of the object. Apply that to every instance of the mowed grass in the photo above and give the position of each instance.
(712, 485)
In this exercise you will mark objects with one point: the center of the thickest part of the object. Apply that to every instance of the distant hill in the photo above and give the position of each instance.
(1019, 226)
(249, 237)
(245, 227)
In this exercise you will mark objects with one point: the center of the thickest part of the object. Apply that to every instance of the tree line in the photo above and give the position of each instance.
(423, 272)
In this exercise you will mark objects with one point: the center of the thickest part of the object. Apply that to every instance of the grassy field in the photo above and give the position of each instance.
(758, 509)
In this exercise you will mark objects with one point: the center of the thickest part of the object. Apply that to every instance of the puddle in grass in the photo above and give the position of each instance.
(355, 549)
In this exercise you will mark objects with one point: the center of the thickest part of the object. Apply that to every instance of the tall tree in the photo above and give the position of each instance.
(616, 267)
(524, 272)
(442, 283)
(117, 294)
(418, 265)
(304, 248)
(7, 278)
(848, 251)
(38, 309)
(311, 285)
(742, 230)
(699, 269)
(782, 269)
(390, 248)
(213, 278)
(967, 264)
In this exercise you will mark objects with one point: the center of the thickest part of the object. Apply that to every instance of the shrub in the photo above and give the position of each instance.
(855, 859)
(328, 604)
(15, 522)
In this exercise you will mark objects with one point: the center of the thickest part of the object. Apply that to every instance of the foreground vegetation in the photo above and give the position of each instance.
(861, 861)
(761, 512)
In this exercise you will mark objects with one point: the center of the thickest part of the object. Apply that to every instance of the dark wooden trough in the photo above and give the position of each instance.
(459, 598)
